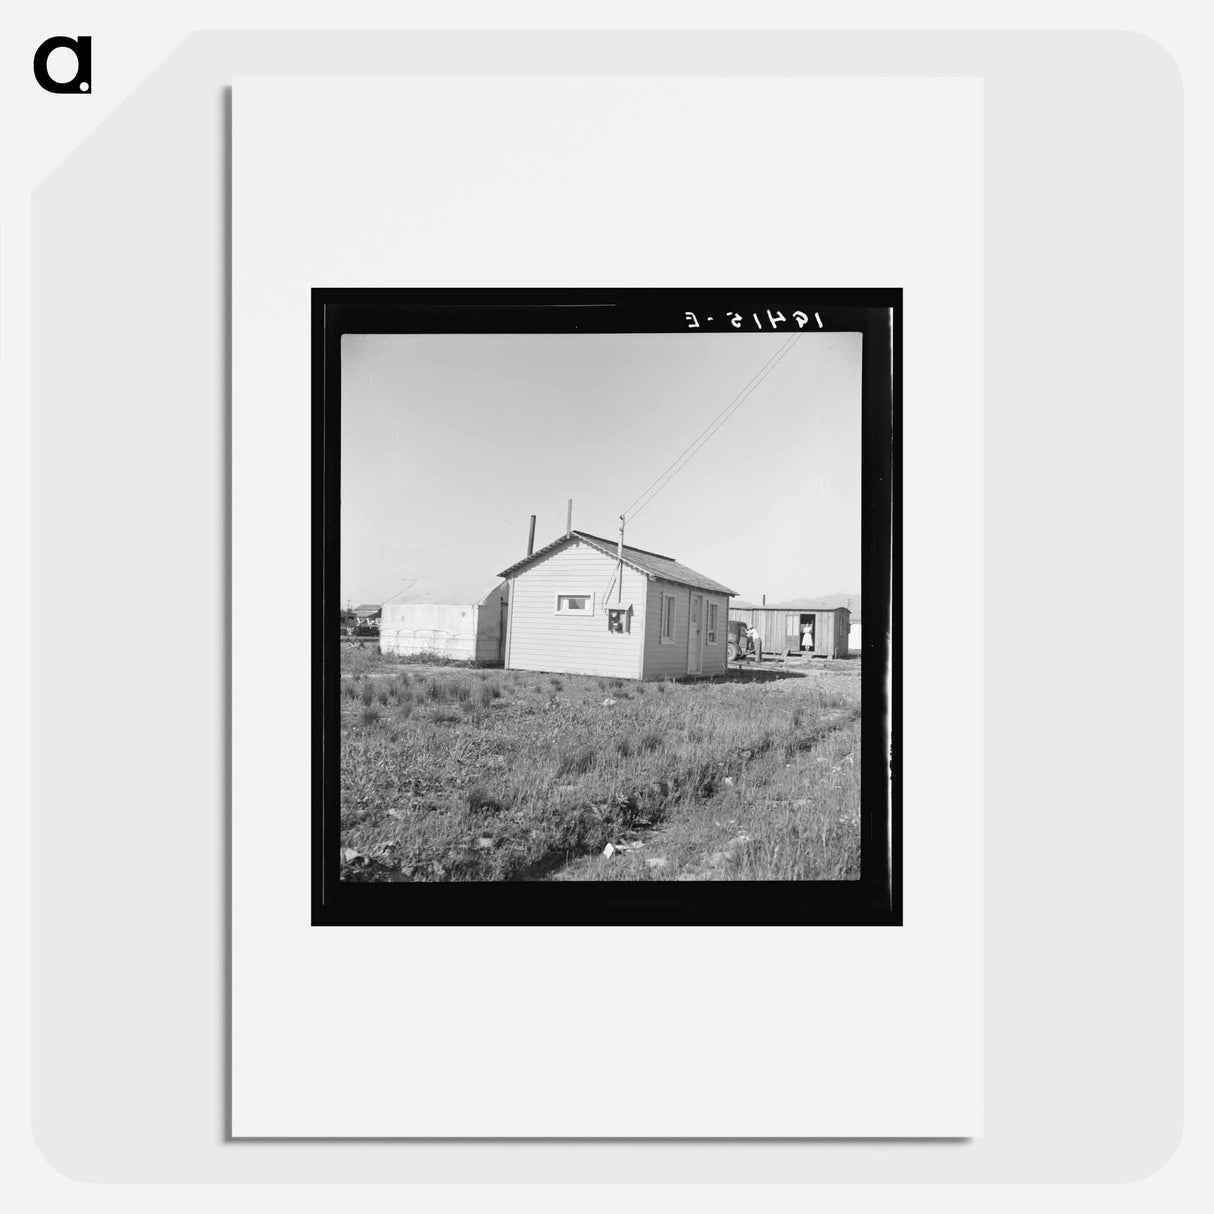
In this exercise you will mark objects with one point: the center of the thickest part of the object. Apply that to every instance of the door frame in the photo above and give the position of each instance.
(698, 634)
(810, 618)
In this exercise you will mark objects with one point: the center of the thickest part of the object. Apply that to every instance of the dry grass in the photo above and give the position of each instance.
(453, 774)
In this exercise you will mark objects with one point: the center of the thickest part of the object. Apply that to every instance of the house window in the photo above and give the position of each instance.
(575, 604)
(668, 601)
(712, 623)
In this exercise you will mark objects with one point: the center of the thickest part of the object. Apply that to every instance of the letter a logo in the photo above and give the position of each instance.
(82, 48)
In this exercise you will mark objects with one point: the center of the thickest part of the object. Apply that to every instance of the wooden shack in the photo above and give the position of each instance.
(781, 626)
(584, 605)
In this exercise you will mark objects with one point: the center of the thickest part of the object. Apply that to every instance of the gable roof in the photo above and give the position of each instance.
(651, 564)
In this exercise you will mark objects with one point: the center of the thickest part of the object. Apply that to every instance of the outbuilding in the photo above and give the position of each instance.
(855, 639)
(464, 623)
(783, 627)
(361, 621)
(587, 605)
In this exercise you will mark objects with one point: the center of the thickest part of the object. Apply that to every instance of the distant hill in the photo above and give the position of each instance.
(824, 602)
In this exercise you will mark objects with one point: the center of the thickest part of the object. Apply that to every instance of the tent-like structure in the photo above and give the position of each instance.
(462, 622)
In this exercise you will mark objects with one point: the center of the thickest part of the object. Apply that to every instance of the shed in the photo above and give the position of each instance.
(466, 623)
(854, 639)
(781, 625)
(362, 620)
(577, 606)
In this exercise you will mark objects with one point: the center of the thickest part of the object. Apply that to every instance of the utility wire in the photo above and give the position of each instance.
(719, 417)
(682, 460)
(408, 585)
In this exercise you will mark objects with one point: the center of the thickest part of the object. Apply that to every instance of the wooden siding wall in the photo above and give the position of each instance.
(770, 626)
(669, 661)
(840, 625)
(716, 655)
(830, 628)
(539, 639)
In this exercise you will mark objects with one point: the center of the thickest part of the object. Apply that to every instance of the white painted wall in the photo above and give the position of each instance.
(465, 631)
(540, 639)
(669, 660)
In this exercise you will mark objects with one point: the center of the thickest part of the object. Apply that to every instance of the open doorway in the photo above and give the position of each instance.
(805, 629)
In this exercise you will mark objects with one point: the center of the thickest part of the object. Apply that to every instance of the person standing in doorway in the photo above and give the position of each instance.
(807, 637)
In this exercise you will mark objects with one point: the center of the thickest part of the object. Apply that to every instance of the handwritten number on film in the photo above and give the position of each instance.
(761, 320)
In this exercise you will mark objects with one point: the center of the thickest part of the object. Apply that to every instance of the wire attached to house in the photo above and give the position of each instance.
(681, 461)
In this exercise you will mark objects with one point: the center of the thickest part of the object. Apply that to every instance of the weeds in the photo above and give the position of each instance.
(650, 740)
(684, 768)
(479, 801)
(574, 763)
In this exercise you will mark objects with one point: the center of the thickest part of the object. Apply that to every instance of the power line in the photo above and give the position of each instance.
(682, 460)
(719, 417)
(408, 585)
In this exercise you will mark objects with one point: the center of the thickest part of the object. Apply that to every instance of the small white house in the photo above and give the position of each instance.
(455, 623)
(578, 606)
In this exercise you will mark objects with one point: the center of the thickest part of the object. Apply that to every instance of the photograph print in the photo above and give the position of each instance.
(590, 573)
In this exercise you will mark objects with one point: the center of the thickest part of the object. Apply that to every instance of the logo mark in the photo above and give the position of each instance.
(82, 48)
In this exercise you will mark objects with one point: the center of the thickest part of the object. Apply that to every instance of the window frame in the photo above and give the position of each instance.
(625, 614)
(663, 639)
(588, 595)
(710, 621)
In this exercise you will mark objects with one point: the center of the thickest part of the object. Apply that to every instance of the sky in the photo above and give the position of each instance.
(450, 442)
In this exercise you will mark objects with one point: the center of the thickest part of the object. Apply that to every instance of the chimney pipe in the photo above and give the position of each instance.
(569, 519)
(531, 537)
(765, 600)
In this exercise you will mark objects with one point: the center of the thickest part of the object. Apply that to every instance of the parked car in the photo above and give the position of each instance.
(741, 644)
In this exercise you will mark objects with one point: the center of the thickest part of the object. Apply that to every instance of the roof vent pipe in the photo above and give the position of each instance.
(569, 519)
(531, 537)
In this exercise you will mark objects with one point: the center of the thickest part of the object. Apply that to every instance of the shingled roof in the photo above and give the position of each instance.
(652, 564)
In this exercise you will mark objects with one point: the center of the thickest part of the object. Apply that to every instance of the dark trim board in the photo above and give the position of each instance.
(876, 898)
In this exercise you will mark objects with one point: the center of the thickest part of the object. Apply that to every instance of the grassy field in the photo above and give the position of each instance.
(455, 774)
